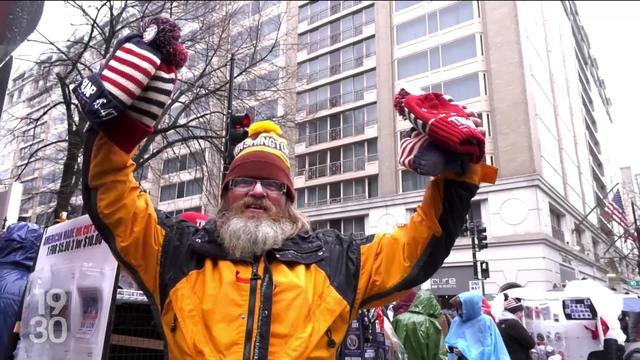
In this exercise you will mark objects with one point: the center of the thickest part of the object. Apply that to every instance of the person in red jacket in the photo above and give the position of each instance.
(486, 308)
(401, 306)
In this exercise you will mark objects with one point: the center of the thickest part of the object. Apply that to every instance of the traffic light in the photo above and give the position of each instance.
(236, 133)
(481, 237)
(238, 125)
(484, 270)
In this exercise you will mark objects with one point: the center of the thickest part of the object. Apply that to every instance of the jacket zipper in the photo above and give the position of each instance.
(248, 334)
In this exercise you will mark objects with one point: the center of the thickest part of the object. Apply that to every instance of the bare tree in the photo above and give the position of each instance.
(193, 118)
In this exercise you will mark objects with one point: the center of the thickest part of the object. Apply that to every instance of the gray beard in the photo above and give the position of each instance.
(244, 238)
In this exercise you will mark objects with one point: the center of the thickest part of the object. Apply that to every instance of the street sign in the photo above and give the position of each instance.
(635, 284)
(475, 285)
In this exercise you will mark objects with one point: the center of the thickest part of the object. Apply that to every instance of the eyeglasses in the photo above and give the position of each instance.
(273, 187)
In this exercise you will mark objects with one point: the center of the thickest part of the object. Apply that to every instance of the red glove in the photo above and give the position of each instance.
(446, 124)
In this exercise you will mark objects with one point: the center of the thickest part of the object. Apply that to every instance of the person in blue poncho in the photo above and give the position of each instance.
(473, 335)
(18, 250)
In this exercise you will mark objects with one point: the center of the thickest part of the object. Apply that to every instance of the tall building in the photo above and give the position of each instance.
(186, 176)
(525, 67)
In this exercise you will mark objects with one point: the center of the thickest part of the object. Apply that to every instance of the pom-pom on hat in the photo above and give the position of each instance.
(263, 155)
(512, 305)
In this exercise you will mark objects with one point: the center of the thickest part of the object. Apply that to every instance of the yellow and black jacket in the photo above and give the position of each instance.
(293, 303)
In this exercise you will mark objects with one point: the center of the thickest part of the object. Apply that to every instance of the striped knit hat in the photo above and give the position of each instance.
(129, 93)
(264, 154)
(512, 305)
(444, 122)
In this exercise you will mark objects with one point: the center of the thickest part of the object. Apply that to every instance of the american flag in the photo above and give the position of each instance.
(615, 211)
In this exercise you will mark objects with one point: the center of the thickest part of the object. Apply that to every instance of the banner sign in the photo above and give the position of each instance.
(68, 299)
(450, 280)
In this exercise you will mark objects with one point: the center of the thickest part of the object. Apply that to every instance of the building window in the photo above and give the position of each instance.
(338, 160)
(336, 62)
(266, 110)
(437, 57)
(42, 219)
(260, 6)
(180, 211)
(372, 150)
(463, 88)
(52, 177)
(578, 235)
(336, 31)
(337, 192)
(411, 30)
(412, 65)
(31, 186)
(458, 50)
(46, 198)
(182, 162)
(556, 225)
(337, 126)
(181, 190)
(318, 11)
(26, 205)
(370, 47)
(372, 187)
(490, 160)
(485, 117)
(343, 225)
(371, 114)
(401, 5)
(412, 181)
(453, 15)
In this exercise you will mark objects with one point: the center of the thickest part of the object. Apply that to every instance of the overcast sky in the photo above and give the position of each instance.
(613, 31)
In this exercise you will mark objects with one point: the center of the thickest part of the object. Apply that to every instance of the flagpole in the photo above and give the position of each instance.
(613, 242)
(606, 197)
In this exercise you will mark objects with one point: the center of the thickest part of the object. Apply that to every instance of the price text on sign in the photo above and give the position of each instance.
(49, 327)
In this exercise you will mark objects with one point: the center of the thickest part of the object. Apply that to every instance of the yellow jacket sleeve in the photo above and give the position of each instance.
(408, 256)
(122, 213)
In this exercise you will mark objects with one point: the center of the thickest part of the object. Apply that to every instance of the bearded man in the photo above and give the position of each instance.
(256, 282)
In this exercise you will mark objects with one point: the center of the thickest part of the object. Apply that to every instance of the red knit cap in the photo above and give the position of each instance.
(263, 155)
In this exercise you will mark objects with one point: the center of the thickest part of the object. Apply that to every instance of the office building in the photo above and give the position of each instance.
(525, 67)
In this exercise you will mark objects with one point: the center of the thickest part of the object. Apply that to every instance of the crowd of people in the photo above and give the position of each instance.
(466, 329)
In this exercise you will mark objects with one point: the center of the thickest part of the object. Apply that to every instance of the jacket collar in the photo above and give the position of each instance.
(304, 248)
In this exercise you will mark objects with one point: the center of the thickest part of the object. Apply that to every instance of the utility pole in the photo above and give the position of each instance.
(472, 233)
(477, 232)
(227, 122)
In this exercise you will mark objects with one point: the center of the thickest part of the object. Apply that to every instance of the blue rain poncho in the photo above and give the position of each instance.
(475, 334)
(18, 248)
